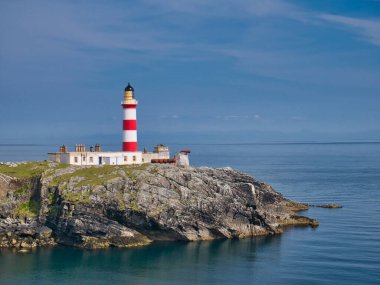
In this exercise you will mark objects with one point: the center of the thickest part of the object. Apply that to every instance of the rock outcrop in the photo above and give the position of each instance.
(121, 206)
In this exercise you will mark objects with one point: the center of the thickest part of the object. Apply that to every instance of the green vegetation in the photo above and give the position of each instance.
(89, 176)
(26, 170)
(76, 197)
(29, 169)
(52, 198)
(29, 209)
(21, 191)
(154, 170)
(133, 201)
(96, 175)
(120, 200)
(133, 204)
(53, 211)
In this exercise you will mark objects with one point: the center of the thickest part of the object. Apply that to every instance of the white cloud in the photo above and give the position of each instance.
(367, 29)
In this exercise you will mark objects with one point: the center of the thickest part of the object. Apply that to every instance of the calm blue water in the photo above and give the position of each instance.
(344, 249)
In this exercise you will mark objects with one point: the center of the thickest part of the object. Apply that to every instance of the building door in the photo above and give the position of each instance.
(100, 160)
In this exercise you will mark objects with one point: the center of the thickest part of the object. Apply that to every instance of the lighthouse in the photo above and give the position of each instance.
(129, 105)
(129, 153)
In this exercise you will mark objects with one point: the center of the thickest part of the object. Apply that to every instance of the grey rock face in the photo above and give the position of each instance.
(24, 234)
(129, 206)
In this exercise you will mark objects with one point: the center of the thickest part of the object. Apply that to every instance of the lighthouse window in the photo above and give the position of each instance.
(134, 158)
(76, 159)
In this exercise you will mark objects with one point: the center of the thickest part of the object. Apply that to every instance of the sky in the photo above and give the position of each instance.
(210, 71)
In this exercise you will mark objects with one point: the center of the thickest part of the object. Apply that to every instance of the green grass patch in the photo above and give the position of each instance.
(53, 211)
(30, 169)
(133, 203)
(94, 176)
(77, 197)
(52, 198)
(20, 191)
(28, 209)
(154, 170)
(60, 166)
(26, 170)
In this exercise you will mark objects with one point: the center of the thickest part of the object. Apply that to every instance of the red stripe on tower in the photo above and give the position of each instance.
(129, 121)
(129, 125)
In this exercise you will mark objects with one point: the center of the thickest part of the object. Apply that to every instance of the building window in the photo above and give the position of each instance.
(125, 158)
(76, 159)
(91, 159)
(84, 158)
(134, 158)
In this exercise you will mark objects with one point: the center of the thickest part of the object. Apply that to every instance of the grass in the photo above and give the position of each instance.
(26, 170)
(76, 197)
(52, 198)
(94, 176)
(20, 191)
(29, 169)
(53, 211)
(29, 209)
(133, 204)
(91, 176)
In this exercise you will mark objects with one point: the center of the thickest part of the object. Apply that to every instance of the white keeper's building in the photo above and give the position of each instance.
(97, 157)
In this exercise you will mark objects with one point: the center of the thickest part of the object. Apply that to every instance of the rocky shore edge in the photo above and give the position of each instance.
(44, 204)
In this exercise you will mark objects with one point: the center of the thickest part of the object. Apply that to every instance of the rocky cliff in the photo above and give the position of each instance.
(44, 203)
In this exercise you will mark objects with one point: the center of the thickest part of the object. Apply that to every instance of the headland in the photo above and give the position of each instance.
(48, 203)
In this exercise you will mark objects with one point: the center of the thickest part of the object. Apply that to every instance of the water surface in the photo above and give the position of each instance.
(344, 249)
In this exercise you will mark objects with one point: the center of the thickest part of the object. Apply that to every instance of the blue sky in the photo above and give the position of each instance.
(203, 71)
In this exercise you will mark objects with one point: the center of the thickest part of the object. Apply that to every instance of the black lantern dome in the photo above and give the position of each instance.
(129, 88)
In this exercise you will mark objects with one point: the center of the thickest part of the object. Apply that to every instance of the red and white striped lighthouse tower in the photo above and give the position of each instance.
(129, 121)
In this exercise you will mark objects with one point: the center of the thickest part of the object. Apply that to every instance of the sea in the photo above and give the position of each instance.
(344, 249)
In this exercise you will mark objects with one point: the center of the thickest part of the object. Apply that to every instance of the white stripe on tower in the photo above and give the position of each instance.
(130, 136)
(130, 115)
(129, 120)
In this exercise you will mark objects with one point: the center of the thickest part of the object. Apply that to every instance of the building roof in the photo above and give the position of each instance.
(129, 88)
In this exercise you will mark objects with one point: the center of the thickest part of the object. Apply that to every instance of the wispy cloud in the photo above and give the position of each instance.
(227, 8)
(239, 117)
(368, 30)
